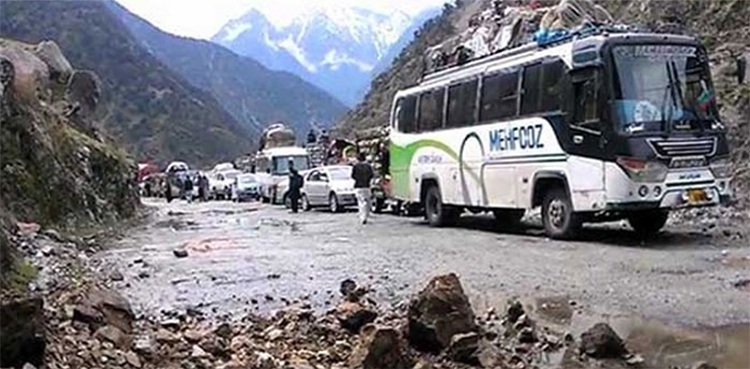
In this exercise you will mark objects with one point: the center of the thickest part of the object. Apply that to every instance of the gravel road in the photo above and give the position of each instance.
(256, 257)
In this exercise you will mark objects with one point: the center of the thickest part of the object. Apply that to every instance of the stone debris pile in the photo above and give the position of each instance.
(95, 327)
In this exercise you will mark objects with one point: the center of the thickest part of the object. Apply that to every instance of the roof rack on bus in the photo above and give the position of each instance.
(542, 39)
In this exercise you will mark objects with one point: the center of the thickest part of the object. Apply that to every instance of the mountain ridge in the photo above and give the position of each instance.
(146, 106)
(254, 95)
(321, 45)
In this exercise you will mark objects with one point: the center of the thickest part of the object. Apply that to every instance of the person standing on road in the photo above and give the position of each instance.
(188, 189)
(295, 187)
(362, 174)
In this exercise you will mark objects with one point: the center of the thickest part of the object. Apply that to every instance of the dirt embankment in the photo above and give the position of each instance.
(57, 171)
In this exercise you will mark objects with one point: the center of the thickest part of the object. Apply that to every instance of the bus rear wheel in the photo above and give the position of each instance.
(560, 222)
(648, 223)
(437, 213)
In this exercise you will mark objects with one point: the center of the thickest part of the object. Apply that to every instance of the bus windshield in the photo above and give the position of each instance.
(281, 164)
(663, 88)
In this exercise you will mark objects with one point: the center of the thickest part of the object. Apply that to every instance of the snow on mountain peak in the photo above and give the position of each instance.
(319, 42)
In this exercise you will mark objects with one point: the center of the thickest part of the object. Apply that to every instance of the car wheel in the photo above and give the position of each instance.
(437, 213)
(648, 223)
(377, 205)
(560, 222)
(333, 203)
(305, 203)
(287, 201)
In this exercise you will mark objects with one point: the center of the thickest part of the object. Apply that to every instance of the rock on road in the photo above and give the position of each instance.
(248, 257)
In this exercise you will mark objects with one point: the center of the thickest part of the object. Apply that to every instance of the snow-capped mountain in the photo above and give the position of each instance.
(336, 48)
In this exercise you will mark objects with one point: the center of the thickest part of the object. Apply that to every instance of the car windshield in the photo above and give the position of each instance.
(231, 175)
(281, 164)
(246, 179)
(337, 174)
(661, 88)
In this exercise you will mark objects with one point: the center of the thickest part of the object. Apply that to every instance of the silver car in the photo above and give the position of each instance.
(330, 186)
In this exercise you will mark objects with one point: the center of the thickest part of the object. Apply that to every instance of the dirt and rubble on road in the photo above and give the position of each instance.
(268, 289)
(97, 328)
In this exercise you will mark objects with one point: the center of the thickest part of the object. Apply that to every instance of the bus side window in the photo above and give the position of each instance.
(554, 82)
(406, 114)
(462, 101)
(499, 96)
(585, 104)
(531, 91)
(431, 110)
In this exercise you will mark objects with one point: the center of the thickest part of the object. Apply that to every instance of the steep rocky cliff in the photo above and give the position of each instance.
(56, 167)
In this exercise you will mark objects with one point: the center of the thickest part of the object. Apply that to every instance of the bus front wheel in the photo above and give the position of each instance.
(437, 213)
(560, 222)
(649, 222)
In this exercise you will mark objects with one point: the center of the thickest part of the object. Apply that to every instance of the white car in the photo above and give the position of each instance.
(330, 186)
(220, 184)
(245, 187)
(222, 167)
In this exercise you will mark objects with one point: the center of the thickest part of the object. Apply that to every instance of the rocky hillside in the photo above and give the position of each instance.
(152, 110)
(57, 169)
(722, 25)
(254, 95)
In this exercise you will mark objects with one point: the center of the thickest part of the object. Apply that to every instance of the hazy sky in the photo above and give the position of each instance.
(203, 18)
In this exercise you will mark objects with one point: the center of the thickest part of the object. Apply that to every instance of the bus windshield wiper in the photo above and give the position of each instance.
(666, 121)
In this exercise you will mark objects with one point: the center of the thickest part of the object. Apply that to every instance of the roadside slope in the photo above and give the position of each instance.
(150, 109)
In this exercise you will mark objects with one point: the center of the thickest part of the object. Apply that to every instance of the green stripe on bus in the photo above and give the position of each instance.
(402, 156)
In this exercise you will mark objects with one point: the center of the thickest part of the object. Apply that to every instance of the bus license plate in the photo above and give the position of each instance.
(697, 196)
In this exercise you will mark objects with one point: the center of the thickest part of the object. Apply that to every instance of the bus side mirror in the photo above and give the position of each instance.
(268, 170)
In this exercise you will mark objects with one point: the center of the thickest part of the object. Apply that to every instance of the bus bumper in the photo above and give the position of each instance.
(676, 199)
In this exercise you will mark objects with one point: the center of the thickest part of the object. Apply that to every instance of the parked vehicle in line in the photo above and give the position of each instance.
(221, 167)
(176, 173)
(329, 186)
(272, 167)
(220, 184)
(245, 187)
(606, 126)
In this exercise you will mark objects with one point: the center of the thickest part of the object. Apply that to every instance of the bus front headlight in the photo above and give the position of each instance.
(640, 170)
(721, 168)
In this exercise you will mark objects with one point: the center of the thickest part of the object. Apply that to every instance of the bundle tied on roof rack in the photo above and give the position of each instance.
(503, 27)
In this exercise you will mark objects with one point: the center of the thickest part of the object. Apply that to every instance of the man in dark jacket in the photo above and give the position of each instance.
(295, 187)
(362, 174)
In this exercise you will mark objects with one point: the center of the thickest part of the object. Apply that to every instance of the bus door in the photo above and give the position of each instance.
(587, 138)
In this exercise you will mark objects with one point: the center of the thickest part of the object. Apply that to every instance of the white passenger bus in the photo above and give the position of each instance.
(593, 127)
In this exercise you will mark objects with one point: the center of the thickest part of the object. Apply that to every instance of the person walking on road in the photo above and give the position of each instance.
(295, 187)
(362, 174)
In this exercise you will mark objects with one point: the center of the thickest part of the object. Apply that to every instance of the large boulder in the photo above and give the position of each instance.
(22, 337)
(59, 67)
(30, 74)
(440, 311)
(103, 307)
(601, 342)
(379, 347)
(84, 91)
(354, 315)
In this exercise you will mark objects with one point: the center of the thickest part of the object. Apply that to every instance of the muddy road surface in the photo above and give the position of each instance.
(681, 287)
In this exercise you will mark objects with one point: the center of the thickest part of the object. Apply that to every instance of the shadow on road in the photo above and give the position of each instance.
(611, 234)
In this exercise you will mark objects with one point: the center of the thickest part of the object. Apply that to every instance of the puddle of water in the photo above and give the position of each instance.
(664, 347)
(661, 345)
(740, 262)
(210, 244)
